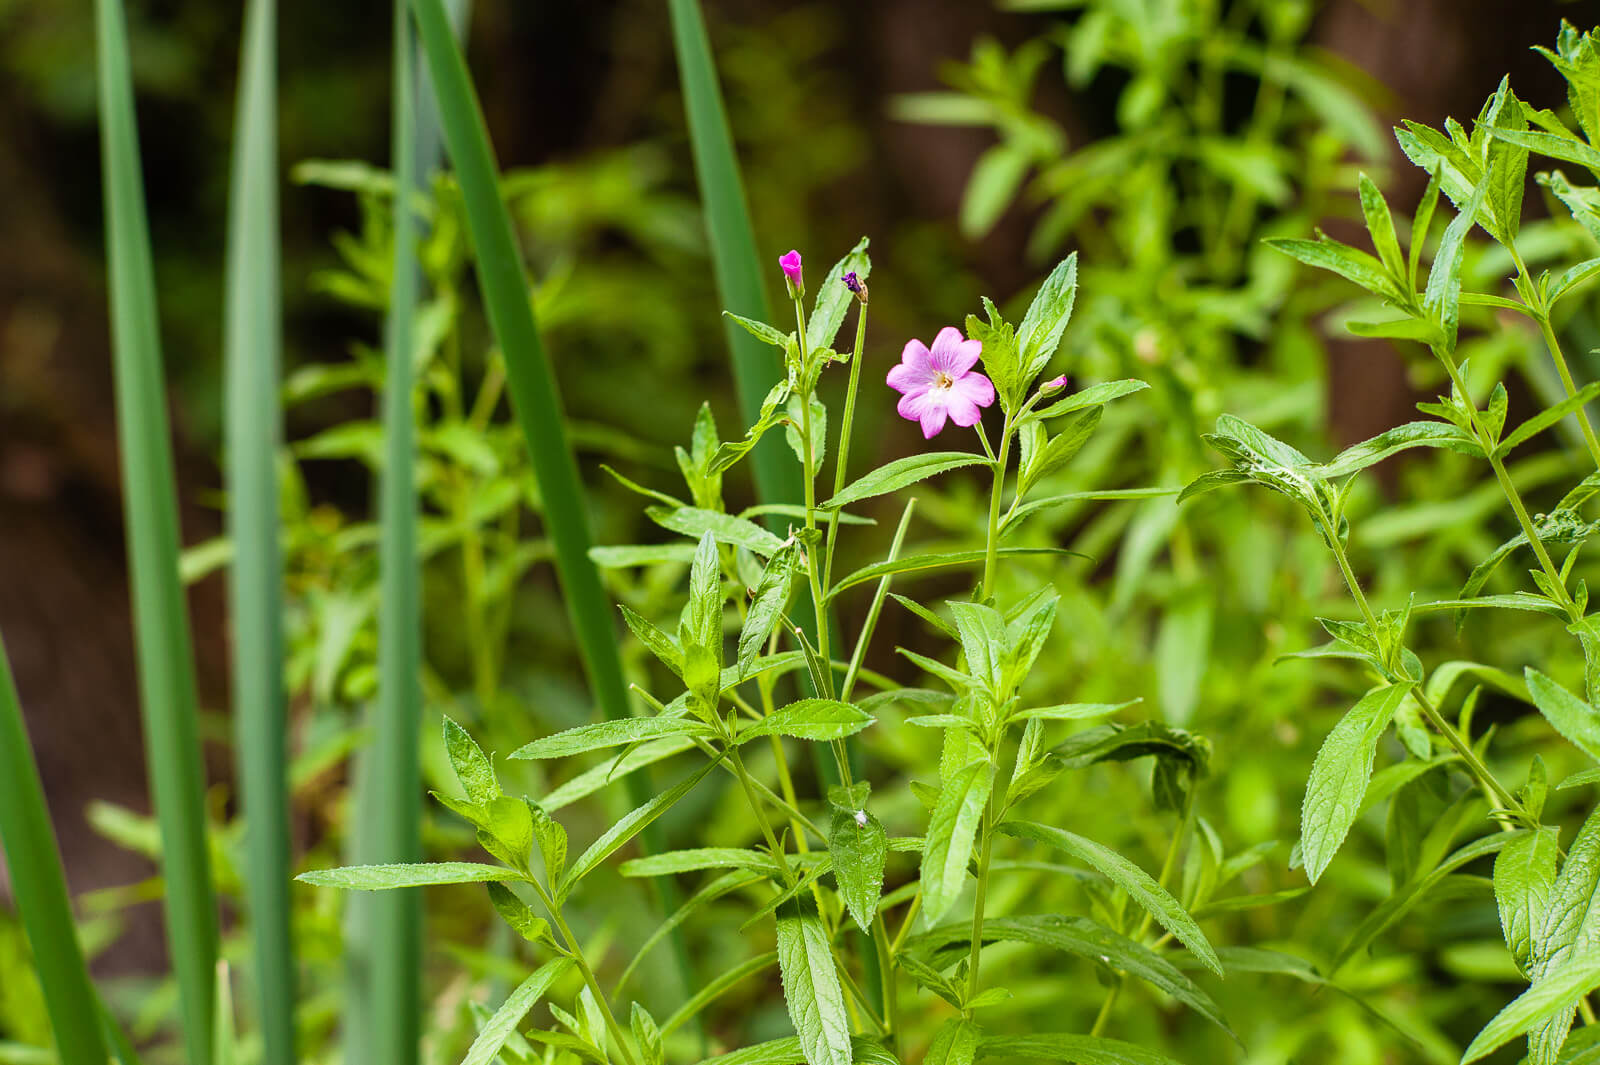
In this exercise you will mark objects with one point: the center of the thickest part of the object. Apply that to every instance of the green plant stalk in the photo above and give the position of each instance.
(385, 1000)
(985, 850)
(841, 462)
(993, 541)
(734, 259)
(1530, 293)
(252, 352)
(575, 952)
(40, 888)
(168, 699)
(1480, 772)
(532, 387)
(871, 623)
(819, 606)
(1507, 486)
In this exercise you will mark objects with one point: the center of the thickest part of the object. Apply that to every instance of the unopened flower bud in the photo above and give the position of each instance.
(791, 273)
(855, 285)
(1054, 385)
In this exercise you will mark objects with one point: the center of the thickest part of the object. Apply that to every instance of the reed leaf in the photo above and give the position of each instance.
(39, 887)
(168, 698)
(737, 265)
(384, 955)
(253, 421)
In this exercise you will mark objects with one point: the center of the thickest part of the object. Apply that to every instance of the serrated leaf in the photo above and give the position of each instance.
(1078, 1049)
(1340, 774)
(390, 877)
(1140, 886)
(659, 643)
(1093, 396)
(1046, 319)
(1524, 874)
(766, 605)
(808, 719)
(1349, 263)
(500, 1027)
(760, 330)
(472, 767)
(1442, 297)
(952, 828)
(516, 913)
(631, 825)
(613, 733)
(1569, 715)
(1548, 417)
(955, 1043)
(1380, 226)
(859, 847)
(1548, 997)
(696, 860)
(811, 988)
(833, 299)
(902, 472)
(724, 528)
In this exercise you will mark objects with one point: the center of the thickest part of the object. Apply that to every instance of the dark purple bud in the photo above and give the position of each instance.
(853, 283)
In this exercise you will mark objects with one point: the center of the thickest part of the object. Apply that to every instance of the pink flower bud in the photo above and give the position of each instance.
(791, 271)
(1055, 384)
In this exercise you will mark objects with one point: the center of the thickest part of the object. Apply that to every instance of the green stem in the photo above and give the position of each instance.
(1526, 287)
(756, 808)
(575, 952)
(985, 849)
(891, 995)
(842, 463)
(993, 541)
(876, 609)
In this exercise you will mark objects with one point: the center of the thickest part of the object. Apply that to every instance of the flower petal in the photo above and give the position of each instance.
(926, 407)
(915, 353)
(975, 388)
(907, 378)
(953, 353)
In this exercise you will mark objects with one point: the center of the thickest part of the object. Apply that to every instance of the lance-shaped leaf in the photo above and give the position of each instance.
(1040, 332)
(952, 828)
(811, 988)
(902, 472)
(833, 298)
(392, 877)
(766, 605)
(631, 825)
(859, 847)
(1549, 997)
(1140, 886)
(603, 734)
(809, 719)
(1524, 874)
(1340, 774)
(485, 1049)
(1569, 715)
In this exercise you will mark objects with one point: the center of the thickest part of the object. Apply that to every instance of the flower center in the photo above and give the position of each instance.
(942, 379)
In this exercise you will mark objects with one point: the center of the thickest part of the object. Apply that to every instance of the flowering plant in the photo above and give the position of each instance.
(850, 854)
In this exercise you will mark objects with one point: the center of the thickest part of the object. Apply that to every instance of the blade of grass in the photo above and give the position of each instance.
(383, 1012)
(168, 698)
(253, 421)
(734, 259)
(534, 396)
(40, 889)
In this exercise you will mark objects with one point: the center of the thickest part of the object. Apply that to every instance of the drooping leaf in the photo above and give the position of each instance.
(1524, 874)
(951, 830)
(631, 825)
(1548, 997)
(499, 1028)
(615, 733)
(1569, 715)
(1140, 886)
(808, 719)
(1340, 774)
(811, 988)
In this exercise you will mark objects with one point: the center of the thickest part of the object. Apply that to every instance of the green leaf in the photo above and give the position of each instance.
(1093, 396)
(1421, 330)
(1568, 149)
(724, 528)
(1548, 997)
(516, 913)
(811, 988)
(1040, 332)
(611, 734)
(1139, 885)
(832, 300)
(808, 719)
(788, 1052)
(1079, 1049)
(1079, 936)
(947, 560)
(1524, 874)
(425, 874)
(1569, 715)
(1059, 450)
(472, 767)
(1349, 263)
(859, 847)
(39, 890)
(1443, 295)
(796, 413)
(994, 181)
(760, 330)
(1380, 225)
(955, 1043)
(1571, 928)
(1505, 163)
(1340, 774)
(660, 644)
(902, 472)
(503, 1025)
(631, 825)
(771, 595)
(1548, 417)
(696, 860)
(952, 828)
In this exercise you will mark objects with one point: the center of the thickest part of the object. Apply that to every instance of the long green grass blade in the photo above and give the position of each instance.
(532, 385)
(383, 1021)
(40, 889)
(736, 263)
(252, 353)
(161, 625)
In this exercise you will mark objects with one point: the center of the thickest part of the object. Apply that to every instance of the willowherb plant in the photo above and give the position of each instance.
(814, 866)
(1546, 897)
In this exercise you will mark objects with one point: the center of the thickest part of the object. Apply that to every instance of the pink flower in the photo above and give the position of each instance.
(941, 383)
(791, 270)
